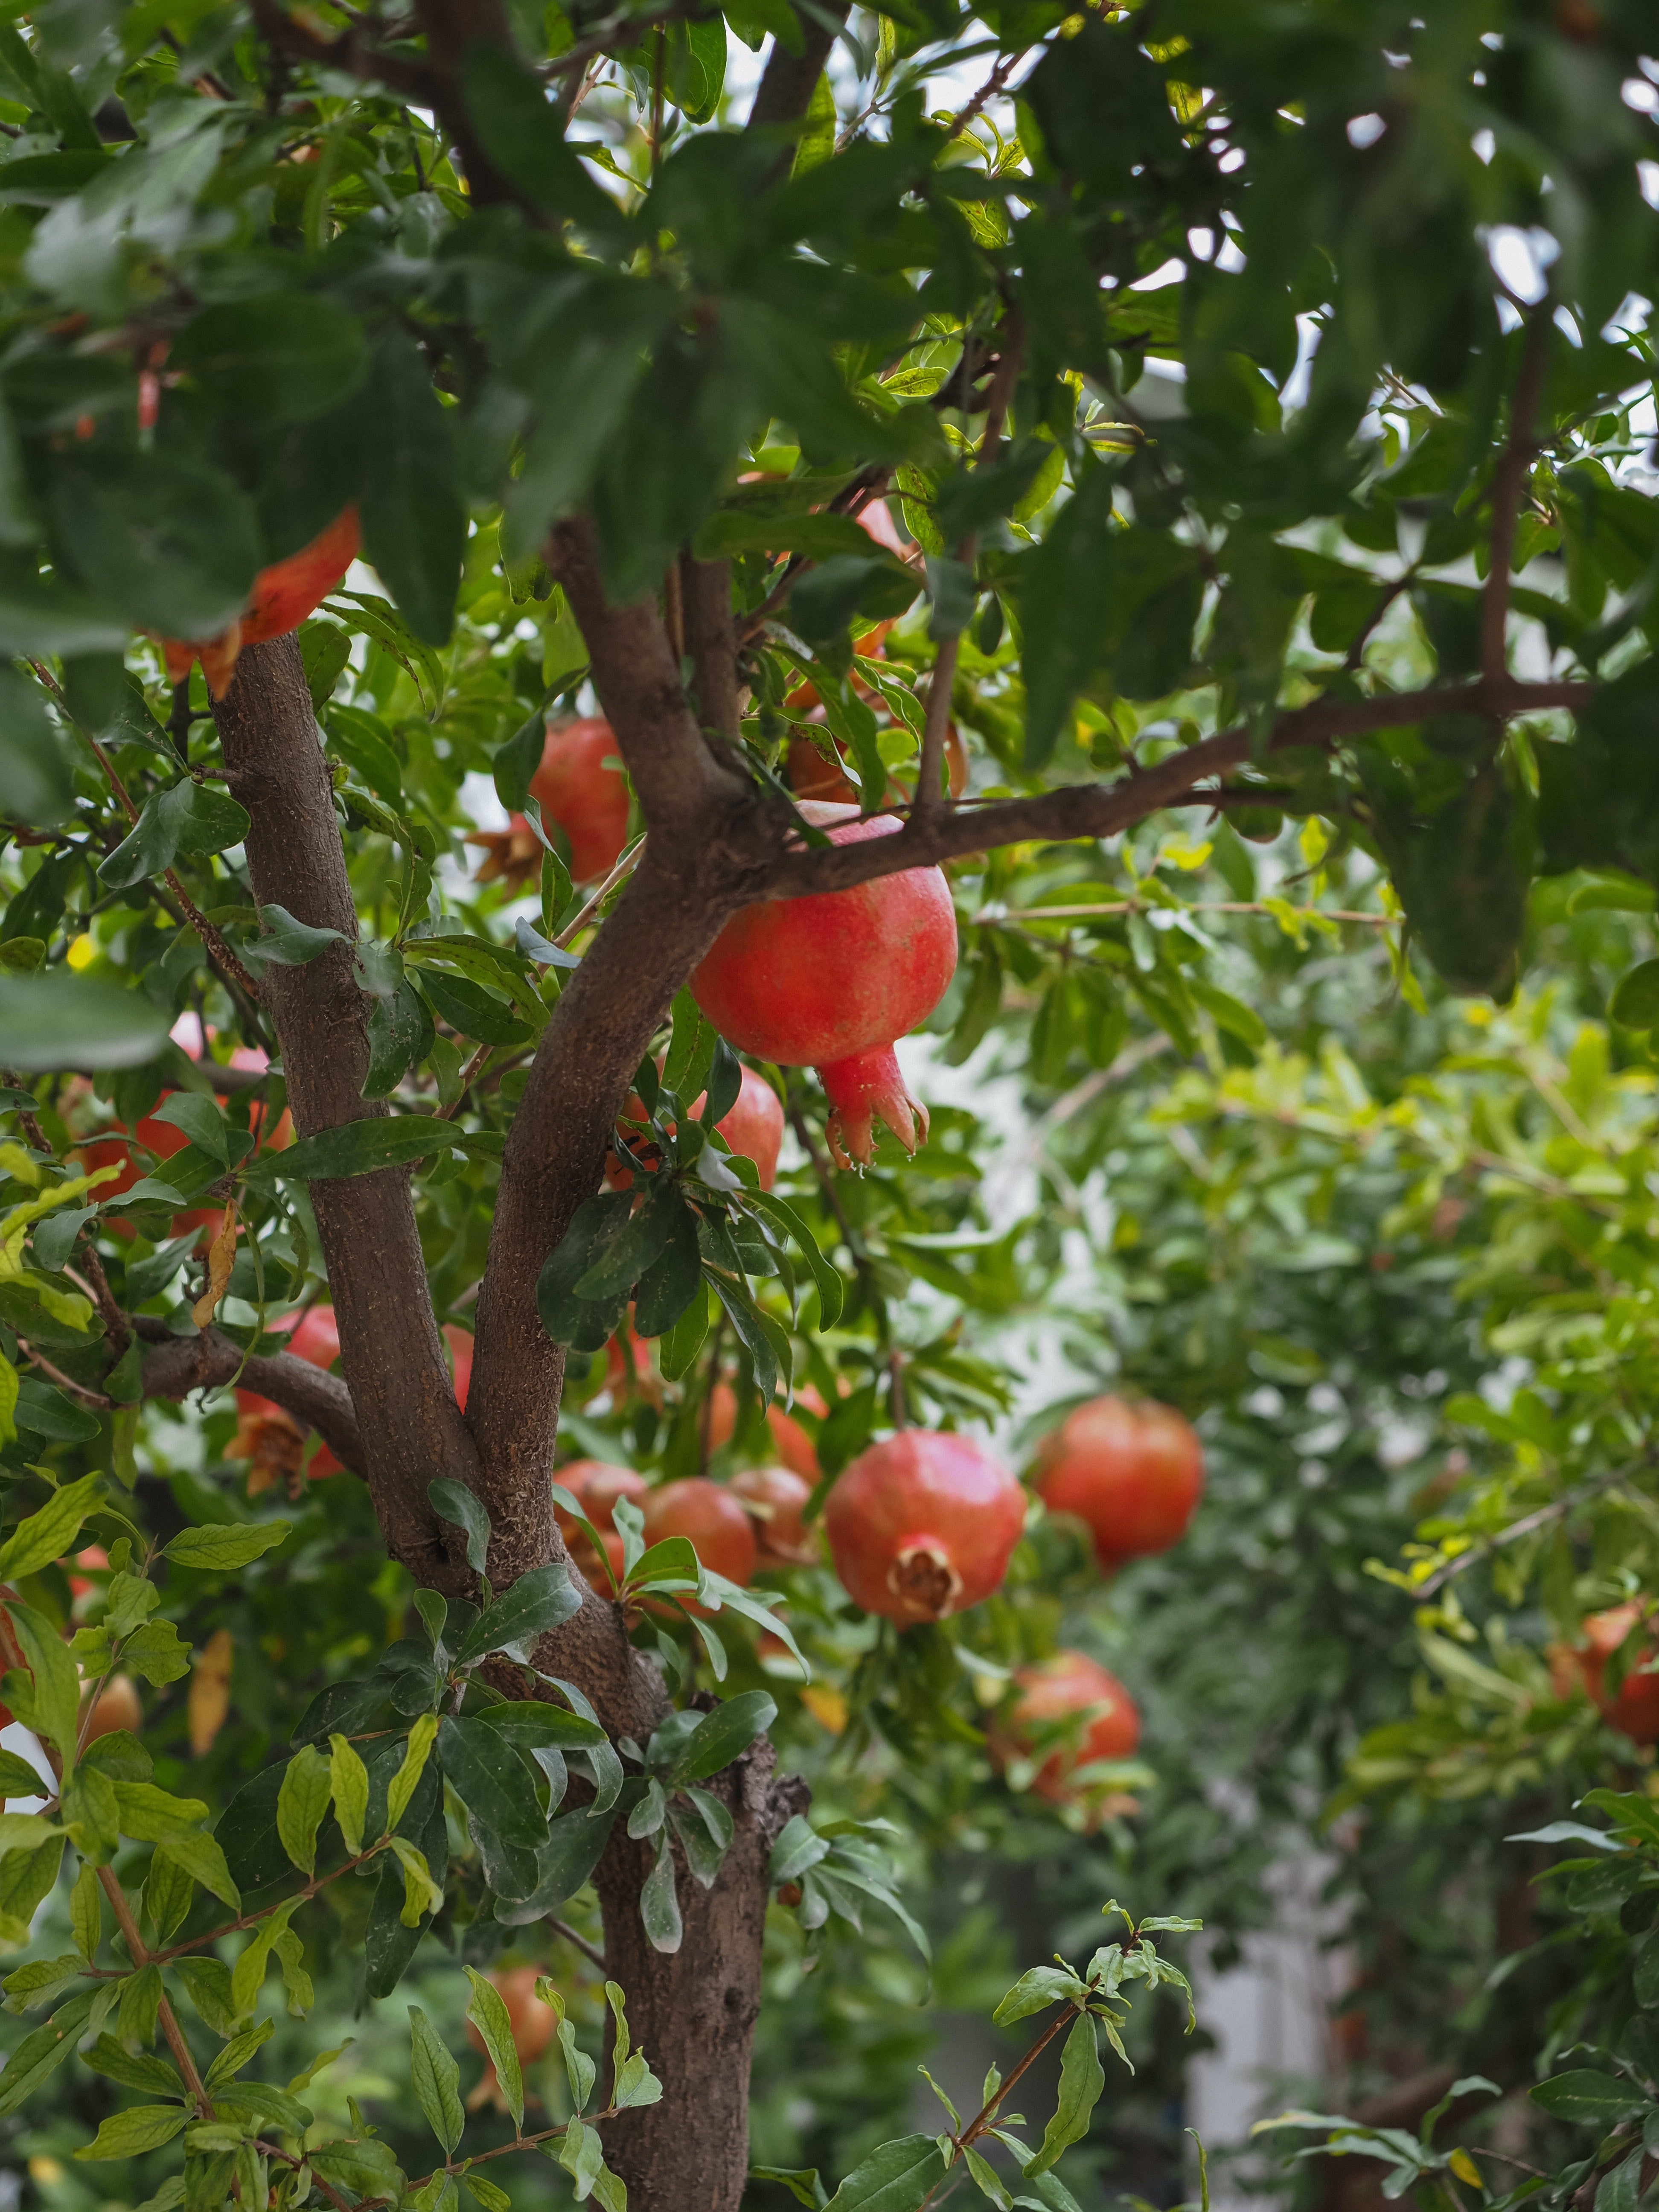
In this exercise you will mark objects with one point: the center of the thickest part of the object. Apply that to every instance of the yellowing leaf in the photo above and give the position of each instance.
(209, 1690)
(220, 1254)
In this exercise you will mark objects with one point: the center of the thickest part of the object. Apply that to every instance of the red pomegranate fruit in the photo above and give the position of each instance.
(832, 981)
(1070, 1683)
(596, 1487)
(282, 596)
(584, 790)
(1131, 1473)
(923, 1525)
(754, 1128)
(795, 1447)
(719, 1531)
(776, 1499)
(1633, 1708)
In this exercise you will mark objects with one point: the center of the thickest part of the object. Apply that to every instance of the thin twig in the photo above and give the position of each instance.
(167, 2019)
(624, 868)
(987, 92)
(588, 1950)
(65, 1381)
(1556, 1510)
(1507, 481)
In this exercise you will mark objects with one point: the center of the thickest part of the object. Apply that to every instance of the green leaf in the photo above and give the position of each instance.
(361, 1148)
(62, 1020)
(575, 1842)
(222, 1549)
(186, 817)
(150, 1815)
(202, 1859)
(524, 136)
(1598, 2100)
(283, 942)
(831, 1290)
(202, 1121)
(140, 2128)
(414, 521)
(280, 357)
(721, 1735)
(49, 1702)
(437, 2081)
(1635, 1004)
(171, 542)
(542, 1600)
(453, 1502)
(86, 1911)
(348, 1782)
(48, 1534)
(32, 759)
(300, 1804)
(801, 2181)
(1035, 1991)
(488, 2014)
(896, 2177)
(401, 1787)
(659, 1903)
(1081, 2078)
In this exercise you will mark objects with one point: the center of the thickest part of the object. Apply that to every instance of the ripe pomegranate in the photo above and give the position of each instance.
(795, 1447)
(596, 1488)
(532, 2023)
(754, 1126)
(777, 1499)
(1634, 1708)
(923, 1525)
(829, 982)
(722, 1534)
(282, 596)
(94, 1559)
(116, 1706)
(1054, 1689)
(460, 1341)
(582, 791)
(1133, 1473)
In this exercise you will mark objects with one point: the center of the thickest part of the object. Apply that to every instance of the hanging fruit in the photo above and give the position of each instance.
(795, 1447)
(923, 1526)
(753, 1127)
(1132, 1474)
(282, 596)
(830, 981)
(719, 1531)
(775, 1500)
(1070, 1686)
(596, 1487)
(1633, 1708)
(116, 1706)
(582, 789)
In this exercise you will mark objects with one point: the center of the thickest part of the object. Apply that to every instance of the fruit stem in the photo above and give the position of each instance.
(896, 1388)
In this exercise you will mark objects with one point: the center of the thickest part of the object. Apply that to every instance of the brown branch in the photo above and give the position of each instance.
(987, 91)
(409, 1427)
(164, 2013)
(789, 80)
(1508, 480)
(711, 641)
(590, 1951)
(180, 1364)
(1102, 810)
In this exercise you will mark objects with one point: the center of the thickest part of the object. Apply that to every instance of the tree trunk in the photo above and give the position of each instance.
(693, 2011)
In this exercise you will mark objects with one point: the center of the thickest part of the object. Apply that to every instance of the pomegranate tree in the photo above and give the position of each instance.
(1067, 1687)
(282, 596)
(583, 791)
(923, 1525)
(830, 981)
(1131, 1473)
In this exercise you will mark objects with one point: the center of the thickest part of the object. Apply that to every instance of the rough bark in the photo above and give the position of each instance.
(693, 2011)
(410, 1426)
(180, 1364)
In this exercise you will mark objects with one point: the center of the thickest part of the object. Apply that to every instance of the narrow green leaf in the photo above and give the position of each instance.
(437, 2081)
